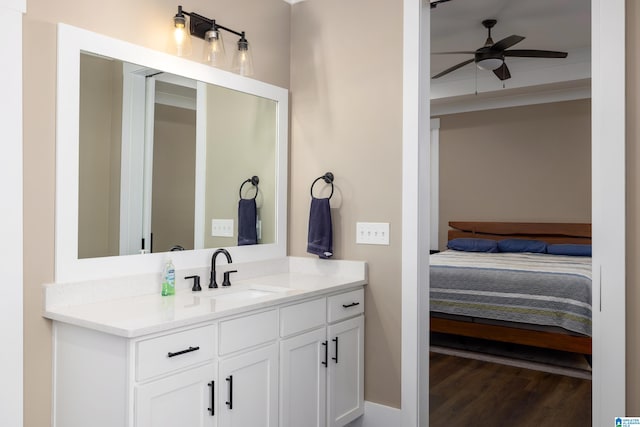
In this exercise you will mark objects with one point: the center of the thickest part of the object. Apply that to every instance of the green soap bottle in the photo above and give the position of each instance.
(168, 279)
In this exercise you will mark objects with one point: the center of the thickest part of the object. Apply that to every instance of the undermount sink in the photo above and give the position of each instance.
(232, 296)
(244, 295)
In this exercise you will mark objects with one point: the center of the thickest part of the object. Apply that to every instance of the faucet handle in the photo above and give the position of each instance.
(196, 283)
(225, 281)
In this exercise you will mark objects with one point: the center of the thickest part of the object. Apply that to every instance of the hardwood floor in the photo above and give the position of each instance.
(467, 392)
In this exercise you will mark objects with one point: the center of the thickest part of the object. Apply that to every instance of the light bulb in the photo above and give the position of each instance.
(181, 40)
(242, 60)
(213, 53)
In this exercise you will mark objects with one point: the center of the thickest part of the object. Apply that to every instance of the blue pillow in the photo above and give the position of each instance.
(522, 245)
(473, 245)
(569, 249)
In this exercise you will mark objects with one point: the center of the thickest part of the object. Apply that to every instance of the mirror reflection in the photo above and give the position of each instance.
(162, 159)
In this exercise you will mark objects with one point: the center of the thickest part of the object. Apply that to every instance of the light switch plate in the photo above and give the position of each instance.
(221, 228)
(372, 233)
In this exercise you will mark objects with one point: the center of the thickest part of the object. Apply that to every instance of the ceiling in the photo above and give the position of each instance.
(563, 25)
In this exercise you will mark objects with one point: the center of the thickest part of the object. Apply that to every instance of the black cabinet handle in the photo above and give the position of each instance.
(353, 304)
(212, 384)
(326, 352)
(335, 340)
(230, 401)
(178, 353)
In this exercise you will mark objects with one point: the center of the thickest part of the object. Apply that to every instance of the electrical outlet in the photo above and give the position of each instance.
(221, 228)
(372, 233)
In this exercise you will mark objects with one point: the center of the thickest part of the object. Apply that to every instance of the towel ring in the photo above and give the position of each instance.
(328, 178)
(254, 180)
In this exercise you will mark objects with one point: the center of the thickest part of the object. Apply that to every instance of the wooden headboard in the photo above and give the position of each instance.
(550, 232)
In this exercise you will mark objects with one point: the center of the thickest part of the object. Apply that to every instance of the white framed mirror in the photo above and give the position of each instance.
(236, 128)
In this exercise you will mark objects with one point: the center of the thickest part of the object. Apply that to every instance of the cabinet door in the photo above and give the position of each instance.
(303, 380)
(183, 399)
(249, 389)
(345, 389)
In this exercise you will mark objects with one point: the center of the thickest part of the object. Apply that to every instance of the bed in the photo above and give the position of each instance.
(538, 300)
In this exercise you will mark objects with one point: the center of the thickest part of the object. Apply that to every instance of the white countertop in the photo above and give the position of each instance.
(136, 315)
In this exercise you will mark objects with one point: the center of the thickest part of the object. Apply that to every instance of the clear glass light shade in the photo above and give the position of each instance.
(490, 64)
(213, 53)
(180, 37)
(242, 61)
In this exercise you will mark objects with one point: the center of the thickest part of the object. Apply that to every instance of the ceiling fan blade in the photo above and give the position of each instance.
(465, 52)
(502, 72)
(530, 53)
(455, 67)
(506, 43)
(435, 3)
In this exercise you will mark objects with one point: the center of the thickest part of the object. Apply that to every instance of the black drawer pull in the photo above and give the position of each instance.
(230, 401)
(212, 384)
(178, 353)
(335, 340)
(353, 304)
(326, 352)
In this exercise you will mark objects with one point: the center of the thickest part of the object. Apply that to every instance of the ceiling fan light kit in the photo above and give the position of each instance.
(491, 56)
(489, 63)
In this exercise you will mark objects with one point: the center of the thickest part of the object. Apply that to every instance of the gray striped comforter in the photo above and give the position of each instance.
(539, 289)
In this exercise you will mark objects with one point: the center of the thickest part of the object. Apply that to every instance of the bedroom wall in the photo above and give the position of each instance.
(144, 22)
(528, 164)
(633, 207)
(346, 100)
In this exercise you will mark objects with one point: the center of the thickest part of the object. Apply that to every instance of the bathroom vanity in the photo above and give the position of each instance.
(284, 349)
(282, 346)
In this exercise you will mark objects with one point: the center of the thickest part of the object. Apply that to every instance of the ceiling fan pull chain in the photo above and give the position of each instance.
(476, 81)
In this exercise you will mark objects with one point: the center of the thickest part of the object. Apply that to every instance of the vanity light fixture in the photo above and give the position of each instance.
(210, 31)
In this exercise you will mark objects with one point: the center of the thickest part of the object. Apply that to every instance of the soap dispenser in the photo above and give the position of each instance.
(168, 279)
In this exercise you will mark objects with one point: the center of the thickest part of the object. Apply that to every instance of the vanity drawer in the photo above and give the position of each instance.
(248, 331)
(164, 354)
(304, 316)
(345, 305)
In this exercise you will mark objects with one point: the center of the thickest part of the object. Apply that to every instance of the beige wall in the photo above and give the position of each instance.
(99, 134)
(241, 143)
(346, 95)
(633, 208)
(144, 22)
(528, 164)
(174, 180)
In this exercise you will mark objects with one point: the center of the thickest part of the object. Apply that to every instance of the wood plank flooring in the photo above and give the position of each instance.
(468, 392)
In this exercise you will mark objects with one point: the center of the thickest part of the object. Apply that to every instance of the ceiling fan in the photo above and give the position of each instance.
(491, 56)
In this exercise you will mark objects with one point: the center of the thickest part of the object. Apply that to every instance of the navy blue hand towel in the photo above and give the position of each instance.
(320, 241)
(247, 217)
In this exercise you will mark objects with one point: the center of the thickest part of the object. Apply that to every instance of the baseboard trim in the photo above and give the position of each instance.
(376, 415)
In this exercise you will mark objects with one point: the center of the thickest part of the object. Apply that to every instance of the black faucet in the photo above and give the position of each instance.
(212, 280)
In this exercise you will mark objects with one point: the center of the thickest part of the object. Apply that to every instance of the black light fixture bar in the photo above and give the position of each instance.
(199, 25)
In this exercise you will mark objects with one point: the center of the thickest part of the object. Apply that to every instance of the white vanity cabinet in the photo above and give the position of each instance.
(303, 364)
(289, 364)
(322, 361)
(103, 380)
(178, 397)
(345, 383)
(188, 399)
(248, 370)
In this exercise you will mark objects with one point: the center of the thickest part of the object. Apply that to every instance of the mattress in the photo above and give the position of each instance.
(538, 289)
